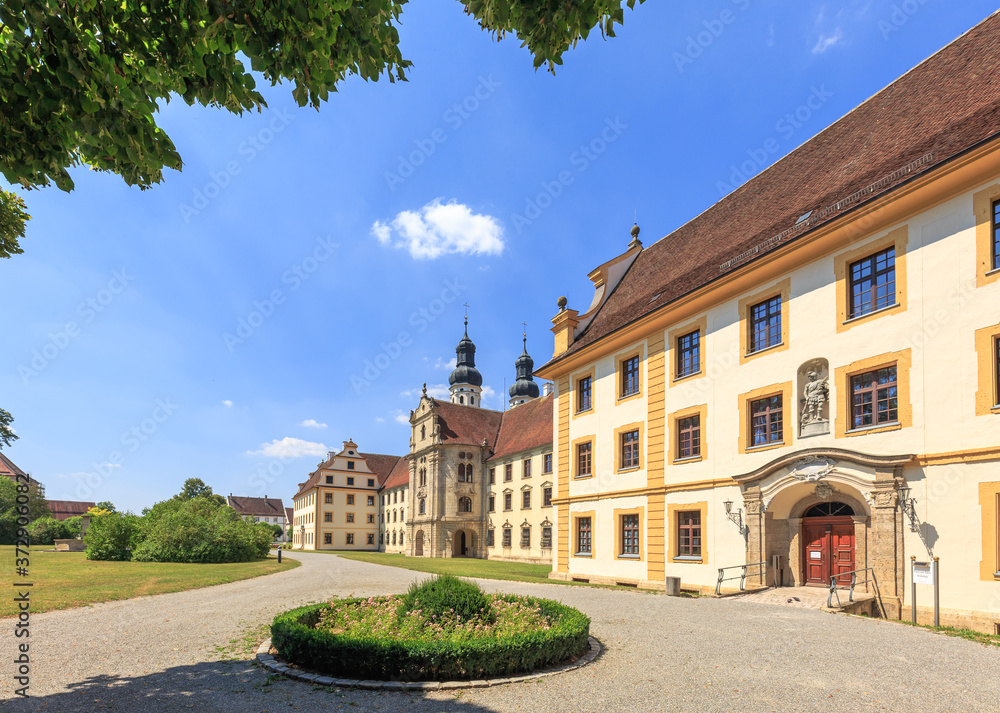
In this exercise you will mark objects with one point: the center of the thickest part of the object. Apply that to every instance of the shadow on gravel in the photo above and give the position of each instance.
(224, 687)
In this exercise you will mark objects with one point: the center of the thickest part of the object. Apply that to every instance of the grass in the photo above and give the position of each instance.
(63, 580)
(472, 568)
(977, 636)
(458, 566)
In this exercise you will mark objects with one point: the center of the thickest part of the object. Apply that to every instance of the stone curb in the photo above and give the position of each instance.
(267, 661)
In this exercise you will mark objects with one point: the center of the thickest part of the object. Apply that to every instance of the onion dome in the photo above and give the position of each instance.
(465, 363)
(525, 386)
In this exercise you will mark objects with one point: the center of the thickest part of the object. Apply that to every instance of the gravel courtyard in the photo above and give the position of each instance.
(161, 654)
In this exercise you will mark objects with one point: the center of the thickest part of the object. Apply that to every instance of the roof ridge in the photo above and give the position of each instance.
(815, 136)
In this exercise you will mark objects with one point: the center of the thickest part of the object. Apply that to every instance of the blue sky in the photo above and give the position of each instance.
(220, 324)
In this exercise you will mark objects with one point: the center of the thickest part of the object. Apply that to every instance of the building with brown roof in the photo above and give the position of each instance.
(455, 449)
(337, 507)
(805, 378)
(10, 470)
(65, 509)
(519, 473)
(265, 509)
(392, 508)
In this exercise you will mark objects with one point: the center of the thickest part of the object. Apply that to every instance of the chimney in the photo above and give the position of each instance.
(546, 388)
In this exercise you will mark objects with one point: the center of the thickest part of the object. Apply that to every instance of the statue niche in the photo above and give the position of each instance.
(814, 388)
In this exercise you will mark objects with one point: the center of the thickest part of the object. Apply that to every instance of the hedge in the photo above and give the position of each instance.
(295, 637)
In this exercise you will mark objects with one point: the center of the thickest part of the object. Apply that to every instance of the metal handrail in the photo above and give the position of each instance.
(742, 576)
(854, 583)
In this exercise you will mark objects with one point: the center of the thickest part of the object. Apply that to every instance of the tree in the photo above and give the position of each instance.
(107, 505)
(83, 81)
(12, 516)
(7, 435)
(196, 488)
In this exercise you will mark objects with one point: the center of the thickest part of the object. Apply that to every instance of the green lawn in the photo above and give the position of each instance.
(67, 579)
(458, 566)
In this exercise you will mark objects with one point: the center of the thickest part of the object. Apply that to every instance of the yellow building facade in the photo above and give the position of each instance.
(806, 377)
(337, 507)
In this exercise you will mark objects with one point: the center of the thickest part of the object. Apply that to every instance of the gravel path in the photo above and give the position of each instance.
(159, 654)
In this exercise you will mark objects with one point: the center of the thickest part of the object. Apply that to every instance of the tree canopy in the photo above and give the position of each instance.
(196, 488)
(7, 435)
(84, 79)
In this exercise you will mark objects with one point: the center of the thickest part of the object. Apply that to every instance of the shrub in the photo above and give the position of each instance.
(200, 530)
(445, 594)
(46, 530)
(378, 656)
(110, 536)
(74, 525)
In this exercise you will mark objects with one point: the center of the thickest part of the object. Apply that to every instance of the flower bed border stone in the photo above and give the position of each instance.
(270, 663)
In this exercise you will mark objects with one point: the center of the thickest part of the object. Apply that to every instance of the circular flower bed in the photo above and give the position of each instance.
(444, 629)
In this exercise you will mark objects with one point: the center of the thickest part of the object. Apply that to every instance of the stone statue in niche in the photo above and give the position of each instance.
(814, 385)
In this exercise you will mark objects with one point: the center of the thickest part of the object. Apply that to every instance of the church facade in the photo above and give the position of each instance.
(805, 379)
(453, 487)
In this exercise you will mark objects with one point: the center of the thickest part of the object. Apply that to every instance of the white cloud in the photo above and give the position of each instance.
(379, 419)
(488, 394)
(443, 363)
(826, 41)
(312, 423)
(401, 417)
(227, 403)
(441, 229)
(290, 448)
(436, 391)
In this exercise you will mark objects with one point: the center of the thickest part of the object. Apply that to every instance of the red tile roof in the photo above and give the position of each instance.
(938, 110)
(258, 507)
(64, 509)
(400, 474)
(525, 427)
(381, 465)
(9, 469)
(467, 425)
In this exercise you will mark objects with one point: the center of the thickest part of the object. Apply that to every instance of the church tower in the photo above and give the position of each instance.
(524, 388)
(465, 382)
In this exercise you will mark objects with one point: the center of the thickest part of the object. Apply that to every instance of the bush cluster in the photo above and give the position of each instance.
(110, 536)
(197, 530)
(371, 656)
(46, 530)
(447, 594)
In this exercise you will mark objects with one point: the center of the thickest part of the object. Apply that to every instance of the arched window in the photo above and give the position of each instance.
(472, 400)
(461, 472)
(423, 476)
(465, 504)
(394, 537)
(461, 399)
(423, 506)
(829, 510)
(468, 473)
(423, 432)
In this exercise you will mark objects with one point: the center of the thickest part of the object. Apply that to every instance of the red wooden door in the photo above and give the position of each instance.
(828, 550)
(842, 552)
(817, 554)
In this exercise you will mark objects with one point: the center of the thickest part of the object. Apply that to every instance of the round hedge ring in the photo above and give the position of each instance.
(442, 630)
